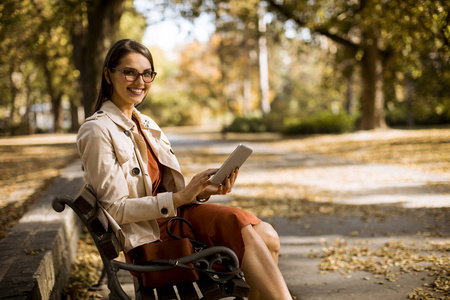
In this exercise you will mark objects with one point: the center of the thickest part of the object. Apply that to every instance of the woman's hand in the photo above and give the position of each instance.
(197, 185)
(221, 189)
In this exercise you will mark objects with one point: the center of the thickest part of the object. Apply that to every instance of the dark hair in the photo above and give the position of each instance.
(112, 59)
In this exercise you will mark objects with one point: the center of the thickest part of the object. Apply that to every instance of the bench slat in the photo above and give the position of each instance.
(85, 201)
(110, 245)
(238, 287)
(99, 223)
(187, 291)
(166, 293)
(209, 289)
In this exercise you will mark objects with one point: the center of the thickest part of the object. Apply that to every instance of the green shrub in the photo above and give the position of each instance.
(323, 122)
(247, 124)
(396, 117)
(432, 114)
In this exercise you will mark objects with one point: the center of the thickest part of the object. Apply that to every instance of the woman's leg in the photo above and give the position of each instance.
(270, 238)
(260, 263)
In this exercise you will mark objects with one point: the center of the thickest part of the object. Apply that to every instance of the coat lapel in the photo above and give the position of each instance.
(158, 141)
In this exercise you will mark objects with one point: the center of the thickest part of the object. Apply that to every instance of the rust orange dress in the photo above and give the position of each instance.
(215, 225)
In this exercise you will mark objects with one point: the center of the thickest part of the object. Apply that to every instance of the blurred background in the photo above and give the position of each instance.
(288, 66)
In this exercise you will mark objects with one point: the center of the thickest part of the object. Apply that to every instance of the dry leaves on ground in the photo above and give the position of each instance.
(391, 261)
(86, 270)
(27, 167)
(425, 149)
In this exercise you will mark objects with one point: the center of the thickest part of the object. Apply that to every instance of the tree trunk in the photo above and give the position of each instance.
(409, 87)
(247, 88)
(29, 115)
(263, 62)
(73, 116)
(14, 91)
(57, 112)
(372, 98)
(92, 43)
(55, 99)
(349, 73)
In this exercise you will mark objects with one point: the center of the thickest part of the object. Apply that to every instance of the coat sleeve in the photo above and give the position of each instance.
(105, 174)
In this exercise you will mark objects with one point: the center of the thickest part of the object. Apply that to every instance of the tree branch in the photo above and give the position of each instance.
(289, 14)
(285, 11)
(349, 45)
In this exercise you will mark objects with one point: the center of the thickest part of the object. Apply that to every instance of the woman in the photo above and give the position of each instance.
(131, 166)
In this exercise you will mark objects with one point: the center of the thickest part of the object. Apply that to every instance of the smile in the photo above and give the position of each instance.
(137, 91)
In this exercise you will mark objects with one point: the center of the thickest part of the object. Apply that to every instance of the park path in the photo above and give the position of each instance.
(281, 172)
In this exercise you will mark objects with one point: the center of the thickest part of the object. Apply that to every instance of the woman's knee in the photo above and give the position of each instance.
(269, 236)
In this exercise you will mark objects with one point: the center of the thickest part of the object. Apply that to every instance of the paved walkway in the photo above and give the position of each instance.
(36, 255)
(273, 173)
(336, 181)
(340, 182)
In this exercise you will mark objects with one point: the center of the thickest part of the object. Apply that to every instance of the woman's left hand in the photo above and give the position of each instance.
(221, 189)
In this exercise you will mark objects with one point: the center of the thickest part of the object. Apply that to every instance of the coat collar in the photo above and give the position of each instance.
(116, 115)
(165, 154)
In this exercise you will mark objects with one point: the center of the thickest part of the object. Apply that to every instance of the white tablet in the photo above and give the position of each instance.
(235, 160)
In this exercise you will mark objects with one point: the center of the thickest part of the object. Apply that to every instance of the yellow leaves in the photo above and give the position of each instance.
(25, 170)
(390, 261)
(420, 149)
(33, 251)
(442, 284)
(85, 270)
(419, 293)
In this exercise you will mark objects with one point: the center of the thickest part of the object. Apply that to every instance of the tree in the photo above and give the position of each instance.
(95, 28)
(53, 52)
(374, 32)
(376, 35)
(241, 31)
(16, 36)
(36, 47)
(263, 60)
(40, 44)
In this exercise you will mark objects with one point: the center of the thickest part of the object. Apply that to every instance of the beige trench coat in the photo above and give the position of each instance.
(114, 157)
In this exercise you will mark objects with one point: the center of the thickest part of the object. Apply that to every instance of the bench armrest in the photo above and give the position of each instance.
(203, 260)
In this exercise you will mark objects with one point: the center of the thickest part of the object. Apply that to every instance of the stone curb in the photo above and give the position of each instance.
(37, 254)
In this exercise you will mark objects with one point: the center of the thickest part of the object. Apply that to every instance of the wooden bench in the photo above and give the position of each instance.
(209, 286)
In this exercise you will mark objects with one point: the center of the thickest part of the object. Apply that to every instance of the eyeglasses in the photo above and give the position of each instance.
(132, 74)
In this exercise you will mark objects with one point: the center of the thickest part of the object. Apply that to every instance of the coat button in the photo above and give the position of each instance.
(164, 211)
(171, 151)
(100, 111)
(127, 133)
(135, 171)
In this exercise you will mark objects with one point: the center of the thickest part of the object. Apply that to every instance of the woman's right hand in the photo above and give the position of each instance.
(198, 183)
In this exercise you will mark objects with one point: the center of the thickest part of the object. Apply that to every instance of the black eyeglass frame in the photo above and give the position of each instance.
(153, 74)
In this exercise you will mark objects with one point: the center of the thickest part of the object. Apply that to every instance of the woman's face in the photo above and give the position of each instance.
(127, 94)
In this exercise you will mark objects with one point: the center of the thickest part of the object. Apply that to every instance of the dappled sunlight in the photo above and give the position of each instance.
(371, 207)
(28, 164)
(39, 139)
(426, 149)
(312, 199)
(389, 262)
